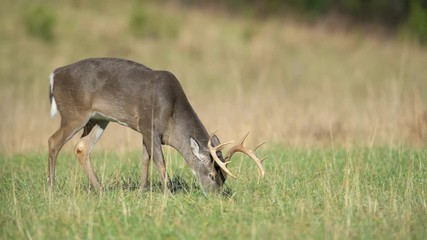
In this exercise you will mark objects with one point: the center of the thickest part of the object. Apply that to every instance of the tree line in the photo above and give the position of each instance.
(408, 16)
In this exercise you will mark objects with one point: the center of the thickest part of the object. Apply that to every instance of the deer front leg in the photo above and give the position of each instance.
(159, 162)
(145, 167)
(154, 148)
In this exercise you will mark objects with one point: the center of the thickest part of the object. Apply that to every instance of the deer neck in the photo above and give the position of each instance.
(184, 126)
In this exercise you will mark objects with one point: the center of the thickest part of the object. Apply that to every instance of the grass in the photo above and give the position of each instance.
(375, 193)
(302, 83)
(301, 87)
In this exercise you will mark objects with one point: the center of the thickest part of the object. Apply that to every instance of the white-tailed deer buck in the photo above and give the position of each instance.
(93, 92)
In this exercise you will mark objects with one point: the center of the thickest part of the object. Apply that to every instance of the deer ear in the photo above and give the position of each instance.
(195, 148)
(215, 141)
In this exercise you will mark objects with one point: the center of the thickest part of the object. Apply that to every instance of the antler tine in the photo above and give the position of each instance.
(244, 139)
(262, 159)
(221, 164)
(222, 145)
(259, 145)
(249, 152)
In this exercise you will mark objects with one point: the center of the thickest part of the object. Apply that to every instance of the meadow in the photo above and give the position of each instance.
(312, 194)
(343, 109)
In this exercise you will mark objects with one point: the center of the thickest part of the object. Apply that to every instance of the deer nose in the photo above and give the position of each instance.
(212, 176)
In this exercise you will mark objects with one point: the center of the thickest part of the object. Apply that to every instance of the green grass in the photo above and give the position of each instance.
(286, 82)
(375, 193)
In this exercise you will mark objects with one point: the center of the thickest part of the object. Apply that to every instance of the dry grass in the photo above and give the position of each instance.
(288, 83)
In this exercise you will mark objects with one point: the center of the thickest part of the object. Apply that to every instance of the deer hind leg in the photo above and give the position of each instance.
(65, 132)
(92, 132)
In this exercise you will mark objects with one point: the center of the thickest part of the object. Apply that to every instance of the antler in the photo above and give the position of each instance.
(249, 152)
(234, 149)
(213, 150)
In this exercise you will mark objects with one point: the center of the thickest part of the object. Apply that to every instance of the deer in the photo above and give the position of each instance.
(91, 93)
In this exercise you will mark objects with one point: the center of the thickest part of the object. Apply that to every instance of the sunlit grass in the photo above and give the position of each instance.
(365, 193)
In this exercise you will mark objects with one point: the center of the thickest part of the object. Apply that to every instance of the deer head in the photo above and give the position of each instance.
(213, 171)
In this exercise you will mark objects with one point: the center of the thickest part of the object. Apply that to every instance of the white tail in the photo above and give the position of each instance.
(53, 107)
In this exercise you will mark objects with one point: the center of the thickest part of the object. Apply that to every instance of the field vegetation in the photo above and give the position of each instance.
(320, 194)
(343, 109)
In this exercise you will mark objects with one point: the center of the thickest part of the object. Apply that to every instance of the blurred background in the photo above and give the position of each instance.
(309, 73)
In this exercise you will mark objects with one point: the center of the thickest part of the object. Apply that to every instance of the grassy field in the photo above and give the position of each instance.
(315, 194)
(344, 112)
